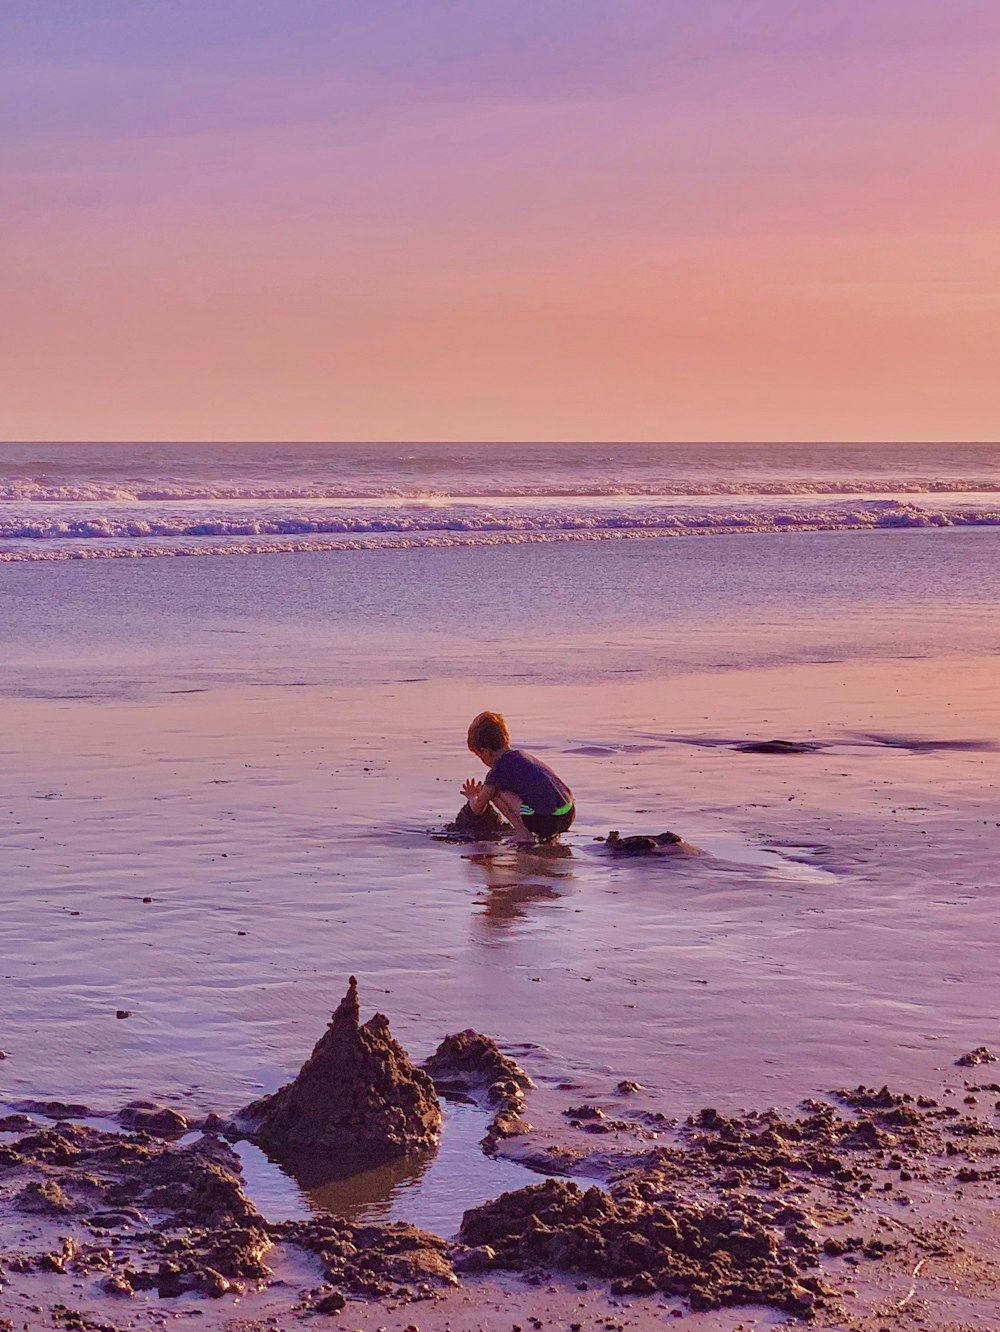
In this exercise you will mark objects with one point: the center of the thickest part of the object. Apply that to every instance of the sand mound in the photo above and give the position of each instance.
(468, 1061)
(357, 1097)
(659, 845)
(468, 1065)
(469, 827)
(643, 845)
(709, 1254)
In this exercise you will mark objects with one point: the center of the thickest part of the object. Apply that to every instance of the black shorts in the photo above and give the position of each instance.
(546, 826)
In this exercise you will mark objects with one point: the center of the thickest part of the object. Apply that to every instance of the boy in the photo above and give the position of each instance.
(529, 795)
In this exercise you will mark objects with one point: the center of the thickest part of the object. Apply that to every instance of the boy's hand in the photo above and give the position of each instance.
(471, 788)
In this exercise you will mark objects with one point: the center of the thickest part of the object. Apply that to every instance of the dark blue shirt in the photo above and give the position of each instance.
(540, 790)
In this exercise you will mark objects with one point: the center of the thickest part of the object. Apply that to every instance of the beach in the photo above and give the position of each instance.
(499, 639)
(224, 777)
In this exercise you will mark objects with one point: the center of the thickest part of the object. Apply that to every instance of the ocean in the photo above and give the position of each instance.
(61, 501)
(342, 564)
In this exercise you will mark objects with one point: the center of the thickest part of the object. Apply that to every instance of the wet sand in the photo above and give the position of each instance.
(281, 837)
(839, 927)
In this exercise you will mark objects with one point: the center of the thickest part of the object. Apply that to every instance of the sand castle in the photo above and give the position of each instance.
(357, 1097)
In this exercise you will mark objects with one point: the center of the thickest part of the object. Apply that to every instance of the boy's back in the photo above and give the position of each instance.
(540, 790)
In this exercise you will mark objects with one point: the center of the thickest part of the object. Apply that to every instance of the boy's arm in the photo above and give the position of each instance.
(478, 795)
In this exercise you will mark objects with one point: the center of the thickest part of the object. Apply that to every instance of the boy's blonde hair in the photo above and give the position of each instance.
(489, 732)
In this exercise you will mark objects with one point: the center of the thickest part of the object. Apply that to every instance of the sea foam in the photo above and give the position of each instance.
(125, 532)
(64, 501)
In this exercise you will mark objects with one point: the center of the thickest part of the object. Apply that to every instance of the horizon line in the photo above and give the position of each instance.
(665, 443)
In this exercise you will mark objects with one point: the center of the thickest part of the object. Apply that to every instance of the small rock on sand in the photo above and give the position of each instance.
(330, 1304)
(653, 845)
(160, 1121)
(980, 1055)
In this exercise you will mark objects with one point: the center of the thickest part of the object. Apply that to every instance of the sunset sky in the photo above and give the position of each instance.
(490, 219)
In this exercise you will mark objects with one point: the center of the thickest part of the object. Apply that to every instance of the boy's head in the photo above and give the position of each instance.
(488, 736)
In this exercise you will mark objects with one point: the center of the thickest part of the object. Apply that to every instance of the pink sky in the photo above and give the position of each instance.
(597, 219)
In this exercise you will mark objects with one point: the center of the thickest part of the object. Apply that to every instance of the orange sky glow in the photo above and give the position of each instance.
(637, 220)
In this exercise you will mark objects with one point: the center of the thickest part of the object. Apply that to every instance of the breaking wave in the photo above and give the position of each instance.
(73, 501)
(122, 531)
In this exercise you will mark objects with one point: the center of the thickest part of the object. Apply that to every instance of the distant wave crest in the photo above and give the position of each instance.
(50, 490)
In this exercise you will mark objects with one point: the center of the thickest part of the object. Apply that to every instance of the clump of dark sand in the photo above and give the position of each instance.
(160, 1121)
(712, 1255)
(44, 1198)
(470, 1066)
(469, 827)
(641, 845)
(981, 1055)
(372, 1261)
(357, 1098)
(468, 1061)
(54, 1109)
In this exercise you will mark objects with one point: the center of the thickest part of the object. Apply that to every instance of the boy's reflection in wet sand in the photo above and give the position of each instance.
(512, 880)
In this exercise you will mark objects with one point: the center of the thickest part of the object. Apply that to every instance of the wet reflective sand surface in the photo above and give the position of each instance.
(838, 926)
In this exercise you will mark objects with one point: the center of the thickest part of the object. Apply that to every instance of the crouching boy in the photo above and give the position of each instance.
(526, 792)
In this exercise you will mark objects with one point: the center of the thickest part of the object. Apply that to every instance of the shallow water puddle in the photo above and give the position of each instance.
(431, 1191)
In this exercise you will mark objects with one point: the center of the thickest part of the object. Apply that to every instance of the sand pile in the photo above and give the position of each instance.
(97, 1189)
(644, 845)
(357, 1098)
(129, 1214)
(372, 1261)
(748, 1208)
(712, 1255)
(470, 1066)
(470, 1062)
(469, 827)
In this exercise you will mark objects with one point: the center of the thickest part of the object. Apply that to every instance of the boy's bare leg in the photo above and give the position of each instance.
(509, 806)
